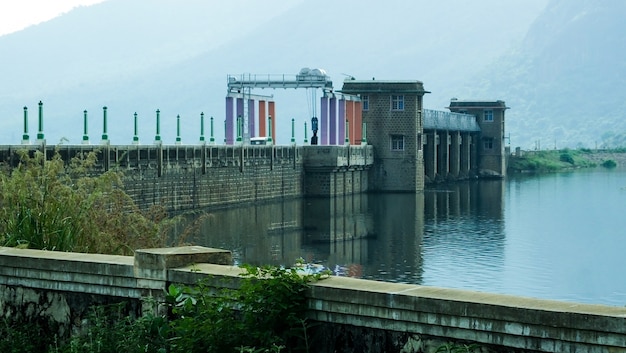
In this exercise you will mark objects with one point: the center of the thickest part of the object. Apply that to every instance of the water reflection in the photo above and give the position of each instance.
(464, 237)
(548, 237)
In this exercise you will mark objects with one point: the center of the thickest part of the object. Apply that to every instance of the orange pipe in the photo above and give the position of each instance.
(262, 120)
(358, 122)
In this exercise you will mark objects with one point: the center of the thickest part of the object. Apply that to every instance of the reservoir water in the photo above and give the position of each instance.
(557, 236)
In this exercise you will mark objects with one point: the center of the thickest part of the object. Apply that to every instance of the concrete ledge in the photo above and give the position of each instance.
(154, 263)
(490, 319)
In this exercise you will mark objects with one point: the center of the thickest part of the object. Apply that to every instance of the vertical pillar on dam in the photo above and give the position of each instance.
(229, 124)
(430, 155)
(443, 159)
(332, 120)
(85, 125)
(262, 119)
(251, 118)
(455, 154)
(465, 155)
(341, 121)
(324, 122)
(271, 107)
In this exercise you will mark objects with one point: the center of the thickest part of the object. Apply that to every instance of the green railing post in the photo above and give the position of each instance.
(347, 140)
(306, 139)
(202, 127)
(85, 125)
(25, 137)
(105, 136)
(212, 138)
(136, 135)
(178, 129)
(157, 138)
(40, 136)
(293, 131)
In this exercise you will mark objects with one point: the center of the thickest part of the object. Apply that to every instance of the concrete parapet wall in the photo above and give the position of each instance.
(42, 283)
(184, 177)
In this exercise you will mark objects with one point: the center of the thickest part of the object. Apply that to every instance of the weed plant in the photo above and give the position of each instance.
(262, 313)
(53, 205)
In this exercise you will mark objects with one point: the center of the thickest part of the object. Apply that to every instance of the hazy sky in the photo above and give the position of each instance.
(19, 14)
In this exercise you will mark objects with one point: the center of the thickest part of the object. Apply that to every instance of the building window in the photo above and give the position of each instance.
(397, 142)
(488, 144)
(365, 102)
(488, 115)
(397, 102)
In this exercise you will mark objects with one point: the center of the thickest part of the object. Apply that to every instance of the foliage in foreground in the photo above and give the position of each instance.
(53, 205)
(264, 314)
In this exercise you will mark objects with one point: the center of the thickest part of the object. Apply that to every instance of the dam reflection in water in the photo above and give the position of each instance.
(450, 237)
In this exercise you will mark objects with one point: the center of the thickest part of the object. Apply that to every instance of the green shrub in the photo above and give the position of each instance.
(51, 205)
(609, 163)
(265, 314)
(566, 157)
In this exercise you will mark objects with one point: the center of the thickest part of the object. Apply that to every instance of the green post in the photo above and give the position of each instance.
(25, 137)
(364, 137)
(212, 139)
(293, 131)
(347, 140)
(178, 129)
(40, 136)
(105, 136)
(201, 127)
(306, 140)
(85, 125)
(239, 119)
(157, 138)
(136, 135)
(269, 130)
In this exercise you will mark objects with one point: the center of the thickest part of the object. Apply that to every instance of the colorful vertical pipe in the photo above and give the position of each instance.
(332, 121)
(271, 107)
(262, 119)
(324, 120)
(350, 119)
(230, 120)
(251, 119)
(341, 120)
(358, 122)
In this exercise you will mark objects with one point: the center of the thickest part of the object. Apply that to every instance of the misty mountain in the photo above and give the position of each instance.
(564, 81)
(143, 55)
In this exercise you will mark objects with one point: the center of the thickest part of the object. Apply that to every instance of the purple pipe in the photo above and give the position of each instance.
(324, 121)
(333, 122)
(230, 121)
